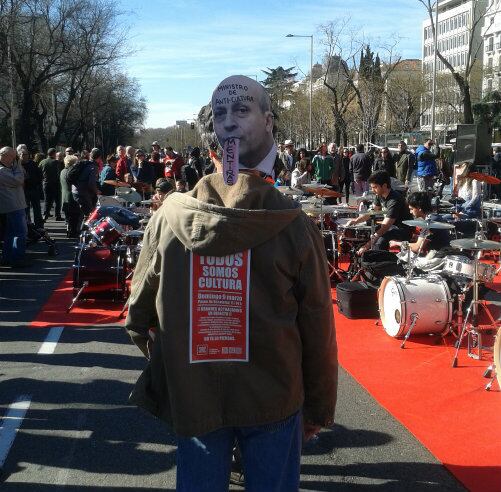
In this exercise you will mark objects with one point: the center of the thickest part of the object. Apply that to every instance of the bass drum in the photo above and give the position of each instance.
(428, 297)
(103, 269)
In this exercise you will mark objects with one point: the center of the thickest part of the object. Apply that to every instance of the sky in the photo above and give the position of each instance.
(183, 48)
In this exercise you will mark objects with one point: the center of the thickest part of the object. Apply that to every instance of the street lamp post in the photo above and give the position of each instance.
(311, 78)
(434, 90)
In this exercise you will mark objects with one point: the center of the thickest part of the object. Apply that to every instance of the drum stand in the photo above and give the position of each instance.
(414, 317)
(124, 308)
(473, 333)
(79, 293)
(334, 270)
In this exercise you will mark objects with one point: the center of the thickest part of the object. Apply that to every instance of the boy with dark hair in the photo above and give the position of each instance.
(392, 205)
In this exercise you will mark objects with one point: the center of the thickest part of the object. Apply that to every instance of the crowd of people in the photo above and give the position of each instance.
(68, 184)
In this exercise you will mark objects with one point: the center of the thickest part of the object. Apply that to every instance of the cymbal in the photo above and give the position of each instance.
(372, 213)
(427, 224)
(288, 190)
(315, 211)
(131, 197)
(315, 186)
(486, 178)
(329, 193)
(120, 190)
(322, 190)
(134, 233)
(475, 244)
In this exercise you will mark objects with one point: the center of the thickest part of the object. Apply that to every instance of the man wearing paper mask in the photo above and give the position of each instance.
(245, 347)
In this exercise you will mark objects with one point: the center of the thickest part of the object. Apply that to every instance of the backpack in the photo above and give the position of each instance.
(75, 171)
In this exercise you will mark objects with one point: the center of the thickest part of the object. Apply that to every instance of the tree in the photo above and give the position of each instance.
(279, 83)
(404, 101)
(489, 110)
(472, 62)
(335, 79)
(54, 47)
(361, 77)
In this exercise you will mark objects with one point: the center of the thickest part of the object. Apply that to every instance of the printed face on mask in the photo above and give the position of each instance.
(241, 110)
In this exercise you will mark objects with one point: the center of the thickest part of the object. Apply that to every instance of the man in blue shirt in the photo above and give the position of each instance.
(426, 166)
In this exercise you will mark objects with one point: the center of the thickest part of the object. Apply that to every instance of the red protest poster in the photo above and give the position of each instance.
(219, 318)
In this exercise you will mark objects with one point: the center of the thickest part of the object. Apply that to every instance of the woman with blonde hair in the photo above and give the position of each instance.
(72, 214)
(468, 189)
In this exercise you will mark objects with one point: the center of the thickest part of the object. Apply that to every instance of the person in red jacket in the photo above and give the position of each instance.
(173, 164)
(122, 168)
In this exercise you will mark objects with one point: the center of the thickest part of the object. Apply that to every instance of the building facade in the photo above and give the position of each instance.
(456, 33)
(491, 34)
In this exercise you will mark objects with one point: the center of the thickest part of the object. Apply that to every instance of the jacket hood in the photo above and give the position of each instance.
(217, 219)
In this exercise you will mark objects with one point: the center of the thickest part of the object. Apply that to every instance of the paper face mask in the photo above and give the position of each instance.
(241, 123)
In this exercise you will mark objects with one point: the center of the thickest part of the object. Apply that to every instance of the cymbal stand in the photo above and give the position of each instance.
(355, 267)
(472, 331)
(411, 259)
(373, 229)
(480, 232)
(334, 270)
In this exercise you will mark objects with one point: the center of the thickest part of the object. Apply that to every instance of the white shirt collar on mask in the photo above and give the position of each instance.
(266, 165)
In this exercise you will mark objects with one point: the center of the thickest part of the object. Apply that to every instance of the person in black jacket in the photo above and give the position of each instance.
(385, 162)
(32, 188)
(51, 169)
(360, 169)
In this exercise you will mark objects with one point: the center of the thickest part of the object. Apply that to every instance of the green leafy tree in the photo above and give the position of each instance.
(279, 83)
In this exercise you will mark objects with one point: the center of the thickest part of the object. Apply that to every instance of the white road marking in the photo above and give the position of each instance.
(11, 423)
(51, 340)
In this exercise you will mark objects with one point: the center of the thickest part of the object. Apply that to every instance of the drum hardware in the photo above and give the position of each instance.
(75, 299)
(474, 335)
(124, 308)
(414, 317)
(334, 270)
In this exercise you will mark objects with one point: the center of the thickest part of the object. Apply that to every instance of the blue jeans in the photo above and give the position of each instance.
(271, 457)
(16, 230)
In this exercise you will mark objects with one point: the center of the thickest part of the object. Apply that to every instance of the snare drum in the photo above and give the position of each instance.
(359, 233)
(106, 232)
(427, 297)
(463, 267)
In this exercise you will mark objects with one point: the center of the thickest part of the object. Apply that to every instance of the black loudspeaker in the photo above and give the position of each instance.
(473, 144)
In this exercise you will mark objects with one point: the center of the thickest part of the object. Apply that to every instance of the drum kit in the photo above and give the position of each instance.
(109, 248)
(332, 220)
(435, 303)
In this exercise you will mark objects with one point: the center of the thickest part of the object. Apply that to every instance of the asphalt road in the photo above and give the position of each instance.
(78, 433)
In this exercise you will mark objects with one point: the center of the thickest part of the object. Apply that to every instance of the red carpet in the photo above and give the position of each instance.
(84, 313)
(446, 408)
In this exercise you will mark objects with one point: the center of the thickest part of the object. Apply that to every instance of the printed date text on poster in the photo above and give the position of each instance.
(219, 328)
